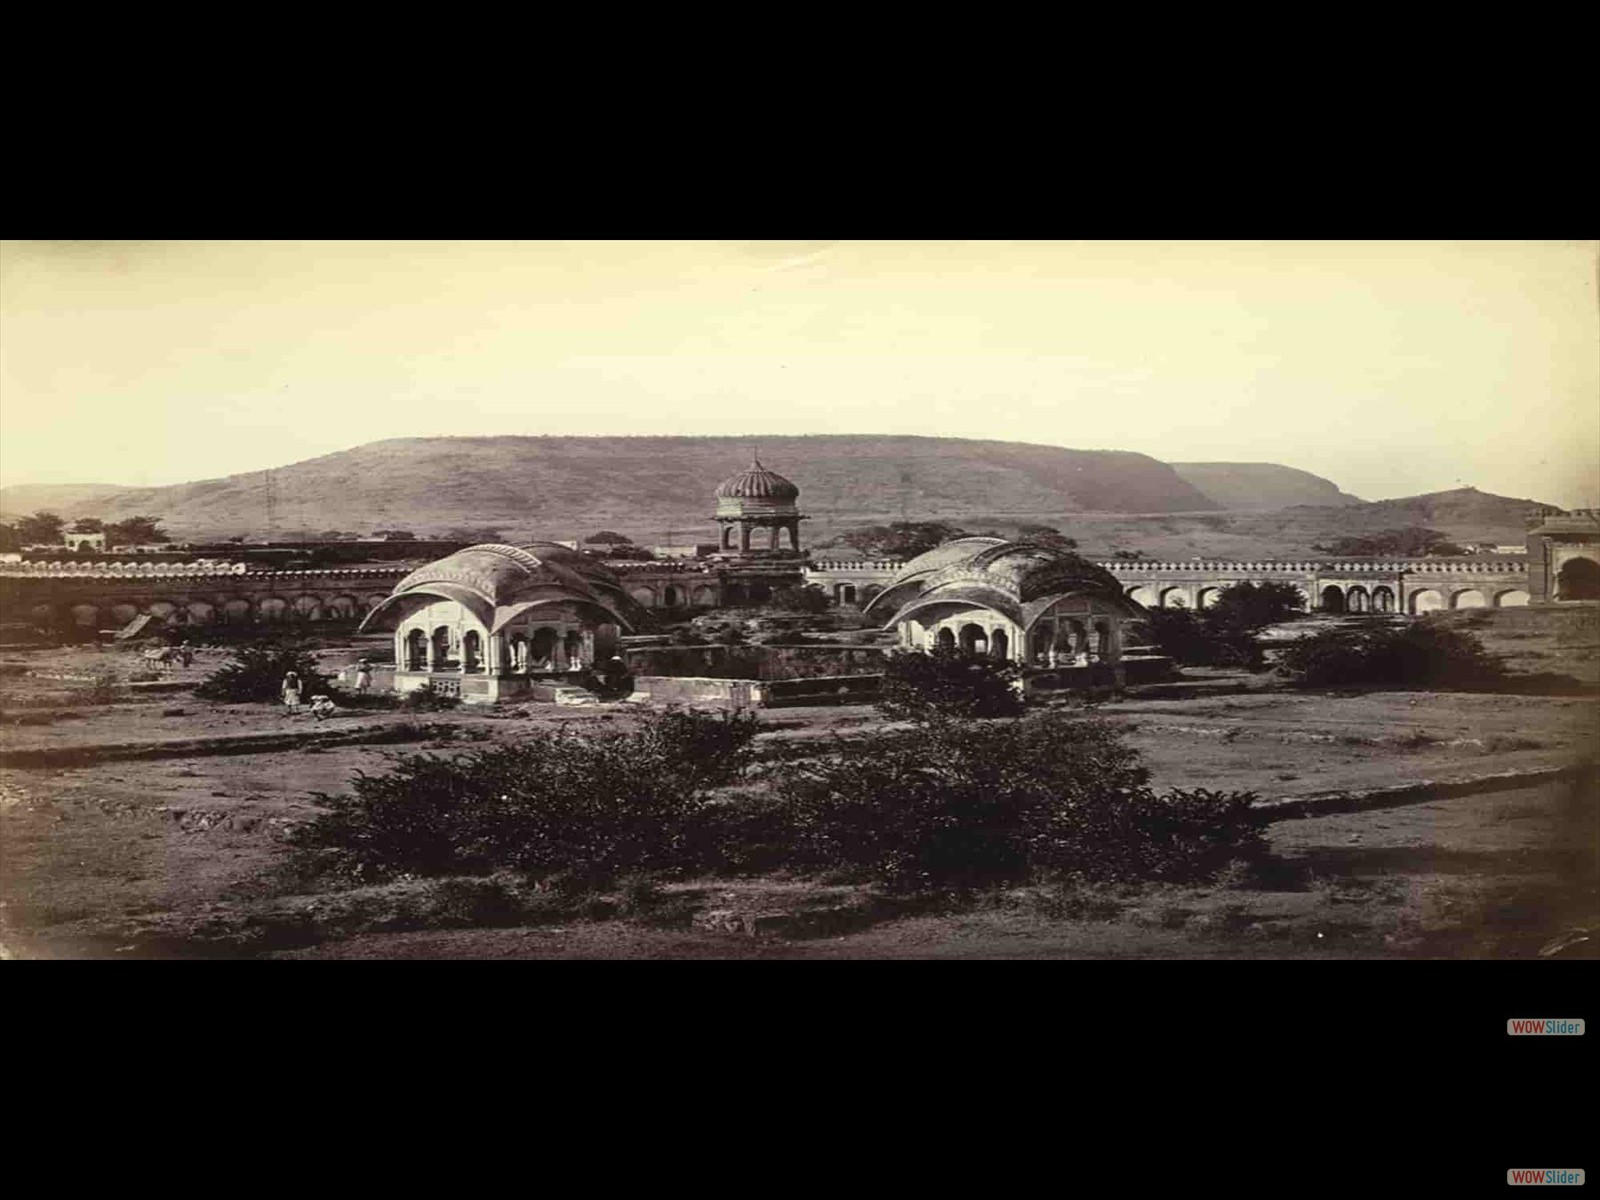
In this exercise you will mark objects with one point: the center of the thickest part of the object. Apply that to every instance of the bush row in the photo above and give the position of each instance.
(943, 804)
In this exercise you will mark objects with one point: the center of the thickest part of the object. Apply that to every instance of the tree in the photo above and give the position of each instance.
(88, 525)
(807, 599)
(1046, 535)
(9, 541)
(901, 539)
(1196, 639)
(948, 682)
(40, 529)
(395, 535)
(1254, 606)
(135, 531)
(256, 673)
(608, 536)
(1419, 654)
(1413, 541)
(476, 534)
(1128, 555)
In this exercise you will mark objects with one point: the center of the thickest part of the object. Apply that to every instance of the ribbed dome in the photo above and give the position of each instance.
(758, 483)
(496, 581)
(1015, 573)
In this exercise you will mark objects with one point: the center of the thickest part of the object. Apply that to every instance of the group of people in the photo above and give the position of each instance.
(321, 705)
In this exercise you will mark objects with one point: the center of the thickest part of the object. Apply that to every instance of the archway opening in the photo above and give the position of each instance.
(1172, 598)
(471, 651)
(1332, 599)
(542, 652)
(416, 650)
(441, 649)
(945, 640)
(1515, 598)
(1208, 597)
(847, 593)
(1579, 579)
(670, 597)
(999, 644)
(1356, 600)
(573, 645)
(1382, 600)
(1044, 636)
(1471, 598)
(974, 640)
(1426, 601)
(518, 648)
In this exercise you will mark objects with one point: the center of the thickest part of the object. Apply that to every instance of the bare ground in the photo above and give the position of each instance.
(131, 859)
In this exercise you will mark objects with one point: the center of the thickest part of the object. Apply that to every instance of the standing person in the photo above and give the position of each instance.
(291, 692)
(363, 678)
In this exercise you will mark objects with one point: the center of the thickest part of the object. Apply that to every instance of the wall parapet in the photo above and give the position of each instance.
(1502, 566)
(231, 572)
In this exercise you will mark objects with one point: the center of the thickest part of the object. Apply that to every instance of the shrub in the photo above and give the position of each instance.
(1421, 653)
(1199, 640)
(428, 699)
(808, 598)
(951, 804)
(256, 673)
(921, 685)
(1255, 605)
(588, 808)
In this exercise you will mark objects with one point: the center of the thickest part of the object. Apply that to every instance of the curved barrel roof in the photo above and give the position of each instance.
(499, 582)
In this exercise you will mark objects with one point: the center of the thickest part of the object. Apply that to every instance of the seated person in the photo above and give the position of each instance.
(322, 706)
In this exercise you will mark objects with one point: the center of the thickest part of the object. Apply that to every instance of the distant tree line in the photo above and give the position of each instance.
(1411, 542)
(46, 529)
(907, 539)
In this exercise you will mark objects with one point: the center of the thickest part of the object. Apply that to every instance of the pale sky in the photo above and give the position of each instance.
(1391, 368)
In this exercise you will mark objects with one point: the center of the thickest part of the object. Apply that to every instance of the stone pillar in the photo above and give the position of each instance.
(558, 653)
(773, 531)
(588, 647)
(494, 655)
(744, 535)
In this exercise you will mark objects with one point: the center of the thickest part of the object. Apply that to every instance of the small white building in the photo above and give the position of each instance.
(78, 541)
(494, 620)
(1034, 605)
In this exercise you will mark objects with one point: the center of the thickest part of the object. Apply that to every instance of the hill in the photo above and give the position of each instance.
(564, 486)
(1462, 515)
(1261, 485)
(23, 498)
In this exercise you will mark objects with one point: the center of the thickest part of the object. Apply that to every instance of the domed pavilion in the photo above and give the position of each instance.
(753, 501)
(1032, 604)
(493, 620)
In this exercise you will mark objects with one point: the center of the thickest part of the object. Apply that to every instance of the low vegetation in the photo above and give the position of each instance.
(947, 804)
(918, 685)
(256, 673)
(1223, 635)
(583, 807)
(1418, 654)
(1413, 541)
(954, 804)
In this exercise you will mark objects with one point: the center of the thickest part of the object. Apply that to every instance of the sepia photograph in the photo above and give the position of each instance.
(800, 600)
